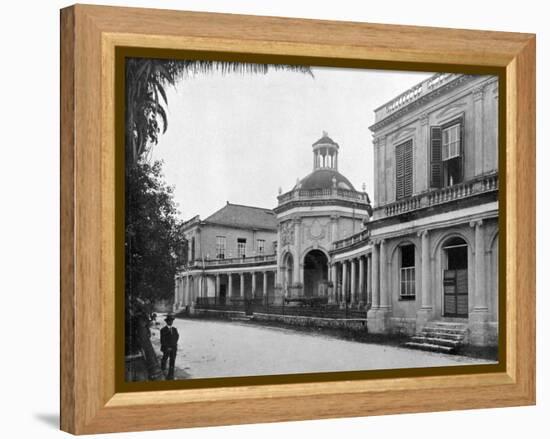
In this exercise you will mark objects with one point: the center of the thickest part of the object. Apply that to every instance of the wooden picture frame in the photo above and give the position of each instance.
(90, 35)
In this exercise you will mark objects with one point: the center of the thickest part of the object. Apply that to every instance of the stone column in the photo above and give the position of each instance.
(264, 285)
(375, 276)
(479, 316)
(201, 285)
(372, 313)
(426, 271)
(384, 291)
(298, 266)
(242, 285)
(217, 286)
(377, 316)
(334, 279)
(253, 284)
(480, 296)
(353, 286)
(344, 281)
(361, 281)
(425, 312)
(369, 280)
(230, 285)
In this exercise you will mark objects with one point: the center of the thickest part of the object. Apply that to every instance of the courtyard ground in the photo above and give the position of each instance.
(211, 348)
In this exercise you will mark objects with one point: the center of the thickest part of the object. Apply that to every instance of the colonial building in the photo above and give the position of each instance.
(425, 253)
(231, 255)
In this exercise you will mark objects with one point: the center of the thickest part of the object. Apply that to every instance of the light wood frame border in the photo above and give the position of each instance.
(89, 35)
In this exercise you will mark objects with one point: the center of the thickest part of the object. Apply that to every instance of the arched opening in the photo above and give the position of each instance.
(315, 274)
(455, 278)
(288, 270)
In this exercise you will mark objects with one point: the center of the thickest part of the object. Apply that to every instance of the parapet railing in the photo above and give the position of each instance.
(413, 94)
(362, 236)
(330, 193)
(486, 183)
(206, 263)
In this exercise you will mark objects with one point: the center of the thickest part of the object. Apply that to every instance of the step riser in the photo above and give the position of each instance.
(445, 330)
(429, 347)
(441, 335)
(452, 344)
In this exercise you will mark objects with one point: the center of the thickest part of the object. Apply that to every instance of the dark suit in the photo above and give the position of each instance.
(169, 346)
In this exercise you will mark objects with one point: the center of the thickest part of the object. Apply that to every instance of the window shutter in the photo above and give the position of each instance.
(436, 165)
(399, 172)
(407, 169)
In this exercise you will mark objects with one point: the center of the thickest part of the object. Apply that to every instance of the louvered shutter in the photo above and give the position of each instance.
(399, 172)
(436, 165)
(407, 169)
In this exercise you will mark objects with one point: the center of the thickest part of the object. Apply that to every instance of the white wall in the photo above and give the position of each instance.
(29, 181)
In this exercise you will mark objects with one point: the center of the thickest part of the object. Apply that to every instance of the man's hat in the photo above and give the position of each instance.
(169, 318)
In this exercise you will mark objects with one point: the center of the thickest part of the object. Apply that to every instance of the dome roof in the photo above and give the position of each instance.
(325, 140)
(322, 179)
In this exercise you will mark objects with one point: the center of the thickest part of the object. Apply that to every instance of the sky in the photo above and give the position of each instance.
(241, 137)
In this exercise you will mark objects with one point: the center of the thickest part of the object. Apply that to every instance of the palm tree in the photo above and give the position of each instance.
(146, 80)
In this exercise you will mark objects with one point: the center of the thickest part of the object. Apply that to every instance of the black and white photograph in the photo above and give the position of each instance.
(284, 219)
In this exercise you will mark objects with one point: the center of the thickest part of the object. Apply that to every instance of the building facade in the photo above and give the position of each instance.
(425, 251)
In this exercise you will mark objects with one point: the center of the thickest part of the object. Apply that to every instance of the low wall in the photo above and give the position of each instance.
(358, 324)
(291, 320)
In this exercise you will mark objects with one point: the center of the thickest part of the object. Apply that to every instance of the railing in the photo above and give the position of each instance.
(262, 259)
(469, 188)
(323, 194)
(258, 305)
(362, 236)
(413, 94)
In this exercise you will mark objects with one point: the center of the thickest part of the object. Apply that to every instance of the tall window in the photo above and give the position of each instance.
(451, 142)
(404, 170)
(241, 247)
(261, 246)
(220, 247)
(446, 154)
(407, 273)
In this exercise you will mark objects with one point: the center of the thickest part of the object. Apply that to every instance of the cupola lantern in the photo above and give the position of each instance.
(325, 153)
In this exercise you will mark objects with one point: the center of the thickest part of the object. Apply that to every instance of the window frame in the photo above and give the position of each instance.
(241, 241)
(260, 250)
(221, 249)
(410, 283)
(445, 147)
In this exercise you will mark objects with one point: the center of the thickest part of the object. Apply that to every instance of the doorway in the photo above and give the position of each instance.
(315, 274)
(455, 278)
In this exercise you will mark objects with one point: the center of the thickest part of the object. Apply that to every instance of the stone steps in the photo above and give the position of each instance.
(443, 337)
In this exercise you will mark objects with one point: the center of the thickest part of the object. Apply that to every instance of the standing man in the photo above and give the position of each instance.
(169, 346)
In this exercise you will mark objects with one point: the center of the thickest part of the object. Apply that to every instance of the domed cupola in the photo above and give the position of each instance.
(325, 185)
(325, 173)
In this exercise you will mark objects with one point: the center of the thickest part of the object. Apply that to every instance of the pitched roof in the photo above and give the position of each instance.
(236, 215)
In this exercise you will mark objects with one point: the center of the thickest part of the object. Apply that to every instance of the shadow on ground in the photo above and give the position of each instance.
(49, 419)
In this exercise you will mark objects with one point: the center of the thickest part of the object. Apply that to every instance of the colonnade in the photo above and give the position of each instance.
(221, 286)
